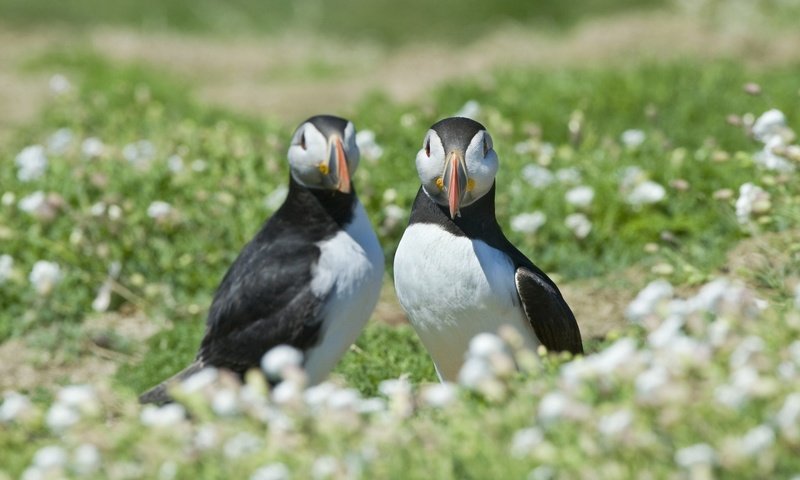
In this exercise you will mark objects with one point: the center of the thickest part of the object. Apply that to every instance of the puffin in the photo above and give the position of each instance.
(455, 273)
(311, 276)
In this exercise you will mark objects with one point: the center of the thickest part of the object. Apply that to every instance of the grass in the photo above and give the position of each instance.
(232, 162)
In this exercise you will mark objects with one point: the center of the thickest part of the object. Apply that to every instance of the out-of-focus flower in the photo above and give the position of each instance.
(92, 147)
(615, 423)
(770, 124)
(45, 276)
(79, 397)
(528, 222)
(632, 138)
(175, 163)
(579, 224)
(6, 267)
(525, 441)
(31, 163)
(475, 371)
(51, 456)
(58, 141)
(15, 405)
(484, 345)
(569, 176)
(275, 471)
(788, 417)
(770, 158)
(603, 363)
(694, 455)
(753, 200)
(86, 459)
(40, 205)
(241, 444)
(645, 302)
(580, 197)
(646, 193)
(651, 380)
(439, 395)
(757, 440)
(275, 199)
(471, 109)
(538, 177)
(159, 210)
(324, 467)
(162, 417)
(553, 405)
(224, 402)
(59, 84)
(280, 358)
(8, 199)
(369, 148)
(139, 153)
(199, 165)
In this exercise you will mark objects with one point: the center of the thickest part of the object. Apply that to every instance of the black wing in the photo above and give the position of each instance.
(548, 312)
(264, 300)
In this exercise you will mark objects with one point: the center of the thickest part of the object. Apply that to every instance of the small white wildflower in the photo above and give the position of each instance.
(752, 200)
(542, 472)
(580, 196)
(31, 162)
(485, 344)
(632, 138)
(741, 355)
(769, 124)
(199, 165)
(372, 405)
(159, 210)
(225, 402)
(165, 416)
(14, 406)
(200, 380)
(528, 222)
(646, 301)
(569, 176)
(59, 84)
(697, 454)
(525, 441)
(471, 109)
(579, 223)
(206, 437)
(788, 417)
(631, 177)
(553, 405)
(51, 456)
(8, 199)
(729, 396)
(794, 351)
(92, 147)
(275, 471)
(538, 177)
(139, 153)
(168, 470)
(646, 193)
(475, 371)
(275, 199)
(369, 148)
(667, 332)
(615, 423)
(102, 301)
(394, 212)
(241, 444)
(175, 163)
(77, 396)
(324, 467)
(86, 459)
(275, 362)
(439, 395)
(33, 203)
(6, 267)
(58, 141)
(651, 380)
(114, 212)
(770, 159)
(286, 392)
(45, 276)
(344, 399)
(757, 440)
(316, 395)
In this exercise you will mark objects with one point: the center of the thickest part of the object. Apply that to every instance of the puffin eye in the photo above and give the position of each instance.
(428, 147)
(302, 141)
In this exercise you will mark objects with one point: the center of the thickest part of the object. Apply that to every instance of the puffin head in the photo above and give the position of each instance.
(323, 153)
(457, 163)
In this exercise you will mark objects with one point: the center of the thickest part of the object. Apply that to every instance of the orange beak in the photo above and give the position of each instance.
(455, 182)
(341, 165)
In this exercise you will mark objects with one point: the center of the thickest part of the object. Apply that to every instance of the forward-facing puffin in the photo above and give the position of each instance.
(311, 276)
(455, 273)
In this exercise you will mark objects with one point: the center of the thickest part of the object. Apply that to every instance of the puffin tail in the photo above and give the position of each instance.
(160, 395)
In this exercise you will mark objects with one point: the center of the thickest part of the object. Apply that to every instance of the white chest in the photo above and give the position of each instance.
(453, 288)
(349, 272)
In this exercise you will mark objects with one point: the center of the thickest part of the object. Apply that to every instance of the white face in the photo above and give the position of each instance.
(455, 177)
(317, 161)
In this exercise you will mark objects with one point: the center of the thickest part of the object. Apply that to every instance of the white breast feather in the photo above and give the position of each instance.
(350, 267)
(453, 288)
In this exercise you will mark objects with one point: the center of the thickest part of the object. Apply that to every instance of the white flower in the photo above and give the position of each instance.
(646, 301)
(365, 139)
(59, 84)
(114, 212)
(471, 109)
(632, 138)
(199, 165)
(475, 371)
(86, 459)
(788, 418)
(579, 224)
(372, 405)
(103, 299)
(45, 276)
(757, 440)
(175, 163)
(51, 456)
(697, 454)
(275, 199)
(165, 416)
(8, 199)
(14, 406)
(569, 176)
(275, 471)
(651, 380)
(553, 405)
(225, 403)
(741, 355)
(159, 210)
(752, 200)
(525, 441)
(316, 395)
(31, 162)
(92, 147)
(33, 203)
(77, 396)
(324, 467)
(770, 159)
(280, 358)
(769, 124)
(200, 380)
(439, 395)
(286, 392)
(168, 470)
(580, 196)
(538, 177)
(206, 437)
(528, 222)
(485, 344)
(6, 267)
(241, 444)
(139, 153)
(646, 193)
(59, 140)
(667, 332)
(615, 423)
(344, 399)
(606, 362)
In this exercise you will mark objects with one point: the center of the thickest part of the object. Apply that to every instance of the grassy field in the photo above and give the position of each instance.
(611, 178)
